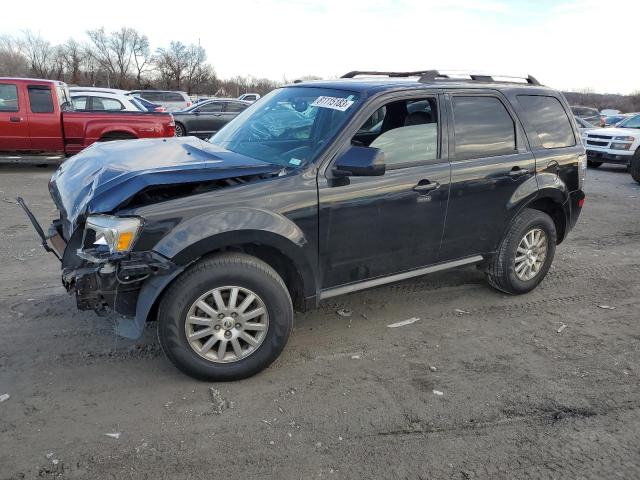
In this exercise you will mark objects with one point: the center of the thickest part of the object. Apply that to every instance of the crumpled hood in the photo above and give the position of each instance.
(105, 175)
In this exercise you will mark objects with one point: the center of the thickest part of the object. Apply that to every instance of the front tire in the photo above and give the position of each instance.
(525, 254)
(634, 166)
(594, 164)
(226, 318)
(180, 131)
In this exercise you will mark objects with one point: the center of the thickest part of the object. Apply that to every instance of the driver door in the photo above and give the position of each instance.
(378, 226)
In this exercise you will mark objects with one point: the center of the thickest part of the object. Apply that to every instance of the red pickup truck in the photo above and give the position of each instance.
(37, 117)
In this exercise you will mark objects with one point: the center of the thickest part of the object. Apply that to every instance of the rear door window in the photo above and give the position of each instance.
(549, 119)
(482, 128)
(8, 98)
(40, 99)
(210, 107)
(235, 107)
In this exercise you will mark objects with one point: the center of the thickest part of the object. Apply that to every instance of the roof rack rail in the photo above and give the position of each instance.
(428, 76)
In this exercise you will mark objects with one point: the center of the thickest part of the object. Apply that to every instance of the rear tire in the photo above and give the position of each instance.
(517, 268)
(109, 137)
(248, 345)
(634, 166)
(593, 163)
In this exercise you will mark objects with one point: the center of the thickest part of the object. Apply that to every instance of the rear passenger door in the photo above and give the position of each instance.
(45, 122)
(14, 129)
(492, 169)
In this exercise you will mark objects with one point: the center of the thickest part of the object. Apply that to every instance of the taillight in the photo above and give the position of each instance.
(171, 128)
(581, 202)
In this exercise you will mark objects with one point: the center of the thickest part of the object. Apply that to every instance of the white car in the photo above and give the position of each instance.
(617, 144)
(249, 97)
(93, 101)
(172, 101)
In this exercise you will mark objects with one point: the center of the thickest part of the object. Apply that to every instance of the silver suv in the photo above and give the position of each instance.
(170, 100)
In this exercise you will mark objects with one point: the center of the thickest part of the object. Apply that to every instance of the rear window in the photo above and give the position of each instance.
(549, 119)
(152, 96)
(8, 98)
(173, 97)
(40, 99)
(483, 128)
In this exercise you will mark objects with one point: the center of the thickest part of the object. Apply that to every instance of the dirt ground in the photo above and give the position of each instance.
(544, 385)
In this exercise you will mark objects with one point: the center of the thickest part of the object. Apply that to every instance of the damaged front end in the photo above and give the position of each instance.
(103, 273)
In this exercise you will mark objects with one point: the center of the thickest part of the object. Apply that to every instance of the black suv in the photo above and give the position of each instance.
(317, 190)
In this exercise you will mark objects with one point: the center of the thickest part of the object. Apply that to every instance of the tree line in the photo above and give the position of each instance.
(121, 59)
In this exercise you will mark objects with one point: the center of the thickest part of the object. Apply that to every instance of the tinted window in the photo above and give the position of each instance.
(40, 99)
(482, 127)
(8, 98)
(210, 107)
(406, 131)
(173, 97)
(549, 119)
(79, 103)
(235, 107)
(152, 96)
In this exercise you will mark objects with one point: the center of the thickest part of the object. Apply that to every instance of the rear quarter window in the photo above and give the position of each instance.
(8, 98)
(549, 119)
(40, 99)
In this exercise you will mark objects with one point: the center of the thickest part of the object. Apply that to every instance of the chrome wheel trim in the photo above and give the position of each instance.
(179, 131)
(531, 254)
(226, 324)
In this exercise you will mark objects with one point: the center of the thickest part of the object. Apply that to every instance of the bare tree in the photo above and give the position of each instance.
(39, 53)
(12, 61)
(73, 56)
(141, 56)
(171, 63)
(115, 52)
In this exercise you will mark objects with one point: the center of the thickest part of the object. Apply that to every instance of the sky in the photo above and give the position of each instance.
(566, 44)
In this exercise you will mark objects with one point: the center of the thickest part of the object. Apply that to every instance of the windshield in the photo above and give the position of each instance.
(289, 126)
(633, 122)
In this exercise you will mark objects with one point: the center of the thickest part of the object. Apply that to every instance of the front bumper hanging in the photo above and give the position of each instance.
(53, 242)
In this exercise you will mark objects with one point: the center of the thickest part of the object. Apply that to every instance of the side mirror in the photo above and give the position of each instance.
(360, 162)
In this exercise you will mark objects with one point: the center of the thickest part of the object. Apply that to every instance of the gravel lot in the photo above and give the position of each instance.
(522, 397)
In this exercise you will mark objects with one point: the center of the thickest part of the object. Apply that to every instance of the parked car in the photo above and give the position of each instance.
(249, 97)
(207, 117)
(172, 101)
(612, 120)
(584, 125)
(220, 240)
(591, 115)
(37, 116)
(619, 145)
(112, 102)
(609, 112)
(150, 107)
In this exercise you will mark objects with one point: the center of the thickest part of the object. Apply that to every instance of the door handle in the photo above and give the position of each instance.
(15, 119)
(518, 172)
(425, 186)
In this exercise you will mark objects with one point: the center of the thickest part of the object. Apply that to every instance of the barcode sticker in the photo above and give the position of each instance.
(335, 103)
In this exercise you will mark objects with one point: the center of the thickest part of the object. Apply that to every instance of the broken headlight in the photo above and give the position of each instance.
(109, 234)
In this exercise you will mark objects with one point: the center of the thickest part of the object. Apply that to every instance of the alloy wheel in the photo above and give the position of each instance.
(531, 254)
(227, 324)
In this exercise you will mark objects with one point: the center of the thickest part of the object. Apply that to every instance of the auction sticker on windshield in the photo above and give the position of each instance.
(335, 103)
